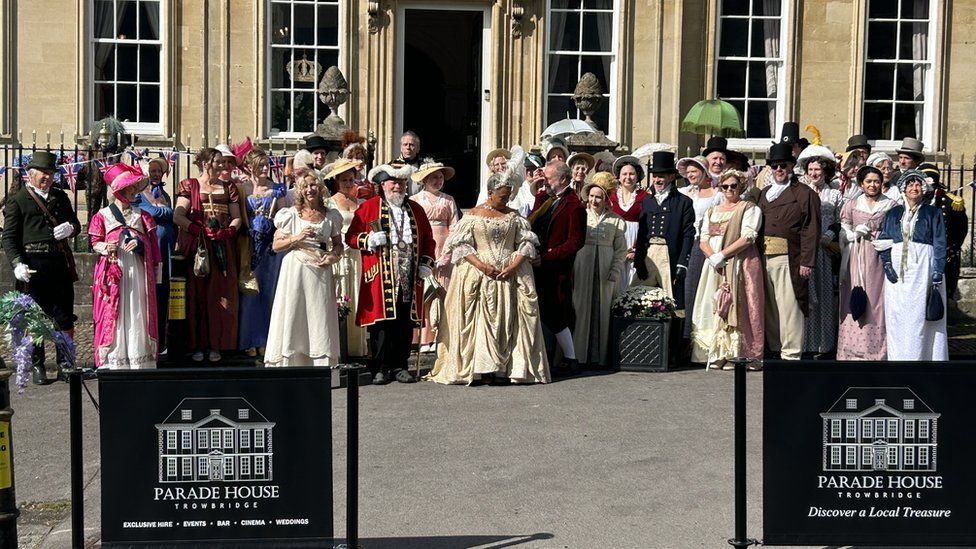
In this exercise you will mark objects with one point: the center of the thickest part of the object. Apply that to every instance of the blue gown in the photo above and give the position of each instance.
(255, 310)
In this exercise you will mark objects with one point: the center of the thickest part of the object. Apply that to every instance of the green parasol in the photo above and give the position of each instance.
(713, 117)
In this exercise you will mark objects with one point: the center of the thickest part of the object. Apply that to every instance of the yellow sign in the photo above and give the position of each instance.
(5, 481)
(177, 299)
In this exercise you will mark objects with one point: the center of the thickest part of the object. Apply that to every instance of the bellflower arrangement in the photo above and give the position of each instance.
(26, 325)
(644, 302)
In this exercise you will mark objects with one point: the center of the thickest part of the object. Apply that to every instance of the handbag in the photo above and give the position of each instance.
(934, 307)
(723, 301)
(857, 304)
(247, 280)
(201, 260)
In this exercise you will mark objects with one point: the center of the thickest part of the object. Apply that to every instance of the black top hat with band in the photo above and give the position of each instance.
(316, 142)
(780, 152)
(716, 144)
(790, 133)
(858, 142)
(663, 162)
(42, 160)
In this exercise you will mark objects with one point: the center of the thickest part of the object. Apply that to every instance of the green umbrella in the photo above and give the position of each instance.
(713, 117)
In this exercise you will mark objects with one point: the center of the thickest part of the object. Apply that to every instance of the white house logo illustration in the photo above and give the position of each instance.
(215, 439)
(880, 429)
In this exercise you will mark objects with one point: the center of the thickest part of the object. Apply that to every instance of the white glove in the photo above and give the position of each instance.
(63, 231)
(375, 240)
(20, 272)
(882, 245)
(862, 231)
(717, 260)
(424, 271)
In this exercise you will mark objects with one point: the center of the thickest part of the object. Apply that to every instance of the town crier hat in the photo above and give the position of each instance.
(780, 152)
(42, 160)
(385, 172)
(663, 162)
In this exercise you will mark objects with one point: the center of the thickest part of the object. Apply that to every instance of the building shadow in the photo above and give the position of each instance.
(450, 542)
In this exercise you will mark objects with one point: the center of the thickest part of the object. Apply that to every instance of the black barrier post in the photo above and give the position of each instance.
(352, 456)
(77, 469)
(8, 501)
(740, 539)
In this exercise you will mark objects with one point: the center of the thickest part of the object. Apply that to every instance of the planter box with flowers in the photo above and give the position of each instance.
(640, 329)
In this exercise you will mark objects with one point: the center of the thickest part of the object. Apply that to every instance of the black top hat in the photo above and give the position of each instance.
(858, 142)
(790, 133)
(663, 162)
(930, 170)
(316, 142)
(42, 160)
(716, 144)
(780, 152)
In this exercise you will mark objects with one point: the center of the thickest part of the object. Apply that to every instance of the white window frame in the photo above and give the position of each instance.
(867, 429)
(851, 404)
(187, 467)
(851, 428)
(909, 428)
(203, 439)
(186, 439)
(835, 455)
(259, 438)
(835, 428)
(186, 415)
(201, 466)
(923, 428)
(243, 413)
(259, 465)
(170, 440)
(785, 32)
(879, 428)
(245, 438)
(928, 102)
(228, 438)
(893, 428)
(612, 92)
(923, 455)
(909, 404)
(851, 455)
(171, 467)
(892, 455)
(215, 439)
(145, 128)
(909, 455)
(245, 465)
(866, 455)
(269, 62)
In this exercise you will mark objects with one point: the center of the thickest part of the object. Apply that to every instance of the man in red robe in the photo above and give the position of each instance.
(397, 245)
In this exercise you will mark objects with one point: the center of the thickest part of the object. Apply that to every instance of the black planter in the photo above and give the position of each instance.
(640, 344)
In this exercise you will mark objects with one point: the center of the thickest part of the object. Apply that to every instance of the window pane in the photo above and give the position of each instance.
(599, 66)
(565, 4)
(885, 9)
(327, 58)
(735, 7)
(279, 59)
(877, 125)
(767, 7)
(761, 118)
(127, 20)
(735, 38)
(280, 112)
(598, 5)
(104, 61)
(128, 61)
(908, 119)
(126, 102)
(104, 17)
(560, 108)
(148, 20)
(731, 79)
(740, 106)
(564, 77)
(598, 32)
(304, 24)
(328, 25)
(765, 38)
(304, 115)
(914, 9)
(914, 41)
(148, 63)
(879, 80)
(104, 100)
(299, 55)
(881, 40)
(602, 114)
(762, 78)
(280, 23)
(149, 103)
(564, 31)
(910, 82)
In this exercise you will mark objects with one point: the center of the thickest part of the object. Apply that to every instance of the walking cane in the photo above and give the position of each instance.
(432, 289)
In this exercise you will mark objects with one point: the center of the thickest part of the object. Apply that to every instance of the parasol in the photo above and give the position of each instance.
(713, 117)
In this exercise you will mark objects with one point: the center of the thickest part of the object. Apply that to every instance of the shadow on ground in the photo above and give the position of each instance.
(450, 542)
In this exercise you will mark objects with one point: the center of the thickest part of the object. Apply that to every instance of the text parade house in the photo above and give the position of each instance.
(880, 429)
(215, 439)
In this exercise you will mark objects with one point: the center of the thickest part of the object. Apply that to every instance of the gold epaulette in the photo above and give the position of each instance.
(958, 203)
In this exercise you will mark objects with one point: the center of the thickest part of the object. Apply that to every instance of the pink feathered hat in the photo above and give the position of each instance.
(121, 176)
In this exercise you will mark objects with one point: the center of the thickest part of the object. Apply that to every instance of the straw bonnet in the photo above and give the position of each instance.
(694, 161)
(556, 143)
(626, 160)
(604, 180)
(495, 154)
(581, 157)
(163, 164)
(429, 167)
(343, 165)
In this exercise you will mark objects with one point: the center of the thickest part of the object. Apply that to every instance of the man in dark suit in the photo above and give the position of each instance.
(791, 235)
(559, 220)
(38, 223)
(953, 209)
(666, 231)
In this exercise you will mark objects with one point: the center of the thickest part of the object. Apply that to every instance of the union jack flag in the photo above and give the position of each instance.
(104, 165)
(171, 157)
(137, 155)
(277, 165)
(70, 171)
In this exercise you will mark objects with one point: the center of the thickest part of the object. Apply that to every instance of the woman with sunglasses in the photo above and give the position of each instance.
(728, 314)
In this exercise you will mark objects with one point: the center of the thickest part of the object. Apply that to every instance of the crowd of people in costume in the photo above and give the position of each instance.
(813, 253)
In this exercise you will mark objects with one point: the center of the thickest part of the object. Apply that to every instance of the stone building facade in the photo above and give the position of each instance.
(473, 75)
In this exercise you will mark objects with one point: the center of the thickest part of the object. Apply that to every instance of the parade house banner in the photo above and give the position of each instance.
(869, 453)
(216, 458)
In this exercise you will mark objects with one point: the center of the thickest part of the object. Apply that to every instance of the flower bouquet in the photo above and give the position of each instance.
(25, 325)
(343, 306)
(644, 302)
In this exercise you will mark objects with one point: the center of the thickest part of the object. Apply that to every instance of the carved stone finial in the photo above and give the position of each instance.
(588, 96)
(373, 11)
(333, 90)
(517, 13)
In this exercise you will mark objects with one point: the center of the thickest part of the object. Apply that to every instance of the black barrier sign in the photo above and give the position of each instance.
(213, 458)
(869, 453)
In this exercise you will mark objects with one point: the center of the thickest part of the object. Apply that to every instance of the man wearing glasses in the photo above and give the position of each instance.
(791, 233)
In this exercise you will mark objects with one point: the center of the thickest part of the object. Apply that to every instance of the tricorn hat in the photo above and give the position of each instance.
(315, 142)
(385, 172)
(930, 170)
(858, 142)
(716, 144)
(42, 160)
(663, 162)
(790, 133)
(780, 152)
(912, 147)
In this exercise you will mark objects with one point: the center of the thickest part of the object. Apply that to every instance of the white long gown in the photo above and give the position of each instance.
(304, 327)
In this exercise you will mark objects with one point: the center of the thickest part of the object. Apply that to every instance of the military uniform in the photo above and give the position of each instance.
(953, 209)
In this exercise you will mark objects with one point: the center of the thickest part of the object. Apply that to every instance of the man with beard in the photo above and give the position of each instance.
(665, 231)
(397, 245)
(791, 235)
(559, 220)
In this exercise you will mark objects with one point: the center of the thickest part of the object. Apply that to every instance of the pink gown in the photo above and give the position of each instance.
(124, 286)
(442, 213)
